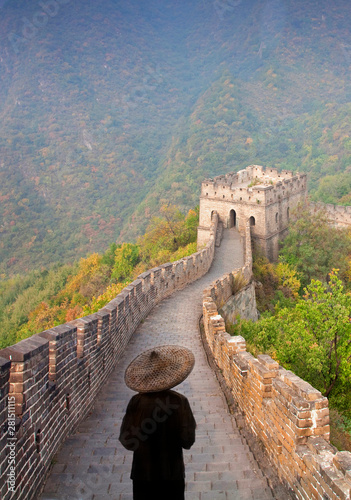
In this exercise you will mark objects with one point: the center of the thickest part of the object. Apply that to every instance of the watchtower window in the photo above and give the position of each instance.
(252, 221)
(276, 217)
(288, 213)
(232, 218)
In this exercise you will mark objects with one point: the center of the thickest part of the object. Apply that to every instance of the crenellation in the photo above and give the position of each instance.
(156, 276)
(146, 280)
(133, 311)
(86, 334)
(178, 270)
(189, 268)
(167, 271)
(104, 318)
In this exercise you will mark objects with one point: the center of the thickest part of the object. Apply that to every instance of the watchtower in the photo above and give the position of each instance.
(264, 197)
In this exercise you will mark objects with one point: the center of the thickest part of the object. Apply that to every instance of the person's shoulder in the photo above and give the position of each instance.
(178, 395)
(134, 400)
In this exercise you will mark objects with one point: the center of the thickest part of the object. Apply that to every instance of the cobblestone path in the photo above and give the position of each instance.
(92, 464)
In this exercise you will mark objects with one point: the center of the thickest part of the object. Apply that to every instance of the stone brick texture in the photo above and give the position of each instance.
(288, 416)
(55, 375)
(337, 214)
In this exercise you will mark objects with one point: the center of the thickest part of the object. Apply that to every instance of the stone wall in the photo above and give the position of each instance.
(268, 204)
(286, 414)
(48, 382)
(241, 305)
(337, 214)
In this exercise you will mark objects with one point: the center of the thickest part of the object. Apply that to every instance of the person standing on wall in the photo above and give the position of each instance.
(158, 422)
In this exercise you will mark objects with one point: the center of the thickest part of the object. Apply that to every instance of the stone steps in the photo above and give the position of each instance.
(92, 465)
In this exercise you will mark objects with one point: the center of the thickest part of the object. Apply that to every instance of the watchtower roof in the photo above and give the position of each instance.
(254, 175)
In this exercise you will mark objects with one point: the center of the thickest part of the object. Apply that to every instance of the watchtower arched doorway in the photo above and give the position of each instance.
(232, 218)
(252, 221)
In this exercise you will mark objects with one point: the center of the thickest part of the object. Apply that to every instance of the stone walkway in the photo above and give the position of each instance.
(92, 464)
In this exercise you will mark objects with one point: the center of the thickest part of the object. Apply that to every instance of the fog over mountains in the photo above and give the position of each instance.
(109, 109)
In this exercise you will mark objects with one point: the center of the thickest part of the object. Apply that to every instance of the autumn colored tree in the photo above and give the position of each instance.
(166, 233)
(45, 299)
(277, 283)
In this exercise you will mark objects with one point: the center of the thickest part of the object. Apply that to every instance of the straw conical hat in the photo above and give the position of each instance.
(159, 369)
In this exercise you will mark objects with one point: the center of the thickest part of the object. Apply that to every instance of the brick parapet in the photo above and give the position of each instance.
(288, 415)
(54, 376)
(235, 186)
(337, 214)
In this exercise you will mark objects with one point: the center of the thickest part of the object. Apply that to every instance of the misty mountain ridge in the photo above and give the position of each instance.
(106, 111)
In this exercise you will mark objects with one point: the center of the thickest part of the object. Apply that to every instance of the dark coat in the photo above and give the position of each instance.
(157, 426)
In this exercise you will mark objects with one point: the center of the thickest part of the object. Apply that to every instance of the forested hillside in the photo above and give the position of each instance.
(107, 110)
(39, 300)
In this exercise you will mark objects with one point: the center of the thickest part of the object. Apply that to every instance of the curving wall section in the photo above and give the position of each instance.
(288, 416)
(49, 381)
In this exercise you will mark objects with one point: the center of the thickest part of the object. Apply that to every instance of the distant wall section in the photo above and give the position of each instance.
(337, 215)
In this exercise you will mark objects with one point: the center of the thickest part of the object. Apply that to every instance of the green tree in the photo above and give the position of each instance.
(335, 189)
(126, 258)
(316, 335)
(191, 224)
(278, 283)
(108, 258)
(313, 247)
(313, 339)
